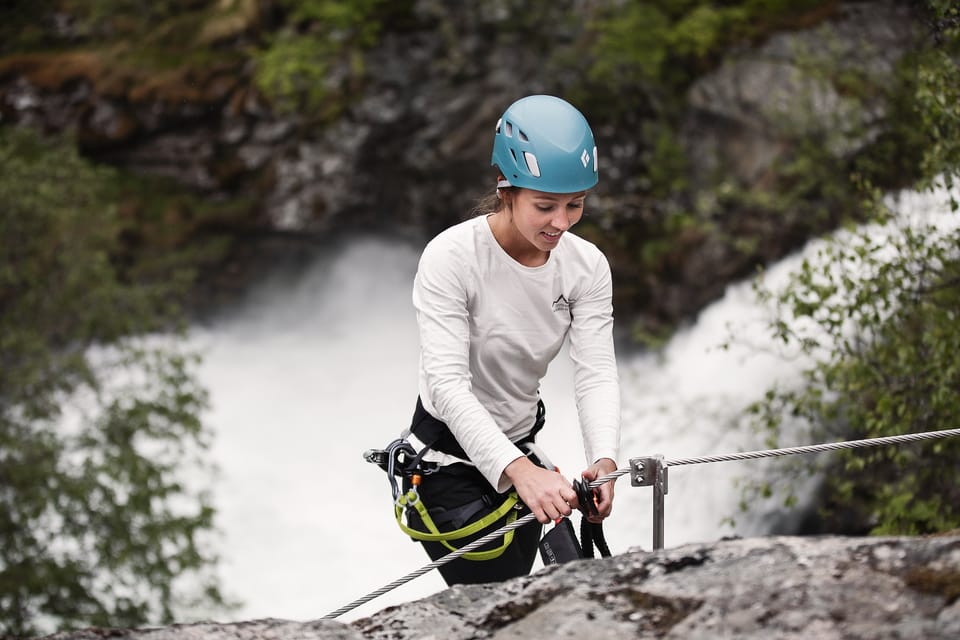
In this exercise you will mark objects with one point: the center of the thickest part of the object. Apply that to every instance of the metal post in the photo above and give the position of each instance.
(651, 472)
(659, 491)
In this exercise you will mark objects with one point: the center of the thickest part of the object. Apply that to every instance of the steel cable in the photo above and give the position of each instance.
(815, 448)
(747, 455)
(453, 555)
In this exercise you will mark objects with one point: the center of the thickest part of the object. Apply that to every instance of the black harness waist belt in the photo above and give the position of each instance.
(436, 435)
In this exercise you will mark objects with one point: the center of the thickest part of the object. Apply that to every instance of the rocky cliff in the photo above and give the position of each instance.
(763, 588)
(405, 149)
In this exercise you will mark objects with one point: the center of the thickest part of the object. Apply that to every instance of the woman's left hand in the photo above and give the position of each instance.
(600, 468)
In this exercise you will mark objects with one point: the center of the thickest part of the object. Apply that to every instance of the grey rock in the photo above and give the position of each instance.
(760, 588)
(267, 629)
(744, 115)
(778, 587)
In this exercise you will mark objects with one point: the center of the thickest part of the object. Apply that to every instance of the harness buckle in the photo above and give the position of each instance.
(396, 459)
(376, 456)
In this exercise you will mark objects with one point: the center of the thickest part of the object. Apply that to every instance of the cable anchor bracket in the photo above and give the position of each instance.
(650, 471)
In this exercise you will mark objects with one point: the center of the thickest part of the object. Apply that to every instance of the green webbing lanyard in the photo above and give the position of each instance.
(412, 499)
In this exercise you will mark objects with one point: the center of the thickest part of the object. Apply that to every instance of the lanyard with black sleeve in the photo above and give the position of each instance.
(560, 544)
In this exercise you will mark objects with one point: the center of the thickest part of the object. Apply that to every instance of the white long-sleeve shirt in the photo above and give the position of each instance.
(490, 326)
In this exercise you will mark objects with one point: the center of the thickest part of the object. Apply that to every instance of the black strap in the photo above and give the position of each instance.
(436, 435)
(591, 533)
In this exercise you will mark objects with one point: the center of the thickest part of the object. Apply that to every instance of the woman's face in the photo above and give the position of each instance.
(541, 218)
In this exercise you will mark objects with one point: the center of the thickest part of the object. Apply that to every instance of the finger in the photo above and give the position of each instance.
(606, 491)
(603, 498)
(553, 512)
(603, 512)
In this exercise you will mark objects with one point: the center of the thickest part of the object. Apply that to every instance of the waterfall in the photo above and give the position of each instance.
(310, 371)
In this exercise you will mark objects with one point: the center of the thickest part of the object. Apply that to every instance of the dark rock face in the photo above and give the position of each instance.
(763, 588)
(742, 117)
(408, 153)
(415, 147)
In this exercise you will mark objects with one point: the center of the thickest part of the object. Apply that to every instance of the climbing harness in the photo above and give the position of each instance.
(437, 436)
(642, 475)
(405, 465)
(401, 461)
(411, 499)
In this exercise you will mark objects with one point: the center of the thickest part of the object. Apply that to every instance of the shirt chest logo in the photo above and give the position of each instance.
(562, 305)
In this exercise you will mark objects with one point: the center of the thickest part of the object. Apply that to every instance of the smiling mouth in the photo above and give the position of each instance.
(552, 235)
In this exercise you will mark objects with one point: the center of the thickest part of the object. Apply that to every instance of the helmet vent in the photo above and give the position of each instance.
(594, 159)
(508, 130)
(532, 165)
(523, 136)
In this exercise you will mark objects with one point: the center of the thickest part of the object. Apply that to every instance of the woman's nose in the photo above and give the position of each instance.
(560, 221)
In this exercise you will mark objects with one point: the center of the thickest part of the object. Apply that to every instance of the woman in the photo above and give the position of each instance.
(495, 297)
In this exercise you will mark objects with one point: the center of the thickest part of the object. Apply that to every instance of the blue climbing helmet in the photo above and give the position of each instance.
(544, 143)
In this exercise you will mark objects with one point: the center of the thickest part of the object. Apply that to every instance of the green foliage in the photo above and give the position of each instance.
(83, 19)
(665, 44)
(293, 71)
(937, 94)
(632, 44)
(102, 505)
(877, 316)
(141, 37)
(891, 130)
(341, 20)
(129, 16)
(296, 67)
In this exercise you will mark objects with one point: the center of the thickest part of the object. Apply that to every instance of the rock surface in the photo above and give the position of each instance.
(744, 115)
(410, 154)
(774, 587)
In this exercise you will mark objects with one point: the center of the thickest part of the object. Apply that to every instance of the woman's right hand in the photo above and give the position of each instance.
(547, 493)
